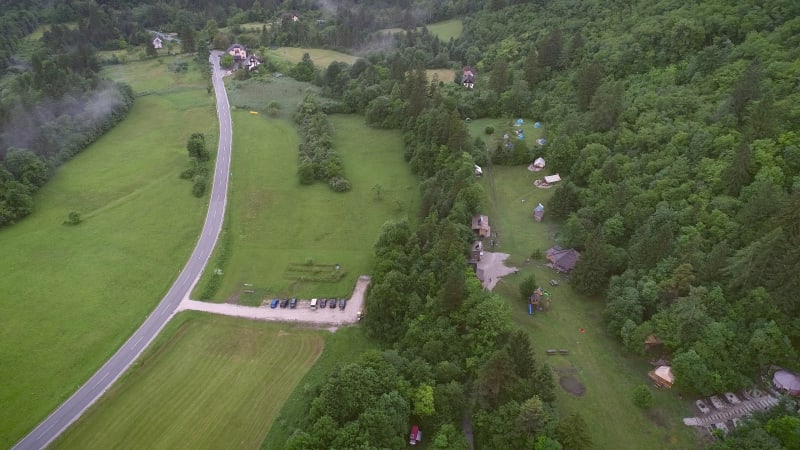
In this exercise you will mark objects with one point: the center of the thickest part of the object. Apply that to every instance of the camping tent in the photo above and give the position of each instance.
(663, 376)
(478, 170)
(538, 212)
(550, 179)
(787, 382)
(539, 163)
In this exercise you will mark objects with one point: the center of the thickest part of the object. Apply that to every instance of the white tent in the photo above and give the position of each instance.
(539, 163)
(550, 179)
(478, 170)
(663, 376)
(787, 382)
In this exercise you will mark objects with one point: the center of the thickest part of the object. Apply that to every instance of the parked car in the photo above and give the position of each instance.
(293, 303)
(332, 303)
(313, 304)
(284, 303)
(274, 303)
(323, 302)
(342, 303)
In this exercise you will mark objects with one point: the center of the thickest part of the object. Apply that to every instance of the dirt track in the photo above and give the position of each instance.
(302, 314)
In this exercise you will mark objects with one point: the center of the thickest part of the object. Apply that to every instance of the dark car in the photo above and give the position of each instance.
(333, 303)
(293, 303)
(274, 303)
(284, 303)
(342, 303)
(323, 302)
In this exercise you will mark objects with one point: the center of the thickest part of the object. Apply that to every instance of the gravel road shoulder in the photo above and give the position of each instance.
(302, 314)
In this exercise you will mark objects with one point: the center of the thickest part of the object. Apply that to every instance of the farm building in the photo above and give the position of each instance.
(562, 260)
(480, 226)
(253, 62)
(239, 54)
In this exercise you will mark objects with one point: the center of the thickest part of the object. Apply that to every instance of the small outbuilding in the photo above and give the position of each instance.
(477, 251)
(157, 43)
(480, 226)
(538, 212)
(478, 170)
(415, 436)
(468, 77)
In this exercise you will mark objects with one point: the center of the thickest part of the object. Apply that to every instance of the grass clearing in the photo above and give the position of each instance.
(73, 294)
(210, 382)
(154, 75)
(596, 359)
(445, 29)
(257, 94)
(322, 58)
(274, 222)
(445, 75)
(341, 347)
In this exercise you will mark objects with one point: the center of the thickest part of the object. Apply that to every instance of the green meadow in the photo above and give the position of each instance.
(596, 359)
(344, 346)
(322, 58)
(209, 382)
(275, 225)
(445, 29)
(73, 294)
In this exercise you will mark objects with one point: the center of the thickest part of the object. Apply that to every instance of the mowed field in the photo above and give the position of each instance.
(210, 382)
(273, 221)
(72, 294)
(596, 359)
(445, 30)
(322, 58)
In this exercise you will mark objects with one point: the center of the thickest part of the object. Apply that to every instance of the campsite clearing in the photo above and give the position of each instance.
(596, 366)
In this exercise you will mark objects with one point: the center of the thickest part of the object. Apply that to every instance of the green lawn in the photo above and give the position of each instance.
(210, 382)
(72, 294)
(322, 58)
(256, 95)
(445, 30)
(154, 75)
(273, 221)
(341, 347)
(596, 359)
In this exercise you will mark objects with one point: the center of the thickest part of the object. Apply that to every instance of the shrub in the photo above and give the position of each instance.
(199, 187)
(305, 172)
(489, 130)
(340, 184)
(74, 218)
(642, 397)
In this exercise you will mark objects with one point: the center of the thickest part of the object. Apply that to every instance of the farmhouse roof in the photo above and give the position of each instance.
(563, 259)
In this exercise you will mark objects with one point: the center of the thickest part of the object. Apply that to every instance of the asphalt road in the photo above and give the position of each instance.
(86, 395)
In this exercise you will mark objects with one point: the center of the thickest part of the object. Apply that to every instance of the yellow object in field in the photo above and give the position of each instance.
(255, 113)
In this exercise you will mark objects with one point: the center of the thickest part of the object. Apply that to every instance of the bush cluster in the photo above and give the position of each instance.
(317, 158)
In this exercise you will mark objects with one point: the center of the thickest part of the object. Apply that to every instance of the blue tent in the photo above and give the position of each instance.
(519, 122)
(537, 125)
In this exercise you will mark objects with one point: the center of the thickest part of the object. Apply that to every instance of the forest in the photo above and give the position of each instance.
(672, 123)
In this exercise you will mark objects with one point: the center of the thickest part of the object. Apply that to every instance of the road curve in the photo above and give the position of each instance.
(86, 395)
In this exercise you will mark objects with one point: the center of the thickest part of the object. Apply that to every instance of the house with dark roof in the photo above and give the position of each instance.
(562, 260)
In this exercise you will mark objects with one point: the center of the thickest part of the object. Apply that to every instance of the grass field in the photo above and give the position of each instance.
(445, 75)
(210, 382)
(153, 75)
(596, 359)
(322, 58)
(273, 221)
(341, 347)
(254, 94)
(445, 30)
(72, 294)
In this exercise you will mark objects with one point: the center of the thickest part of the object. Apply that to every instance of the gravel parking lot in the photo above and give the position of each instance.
(302, 314)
